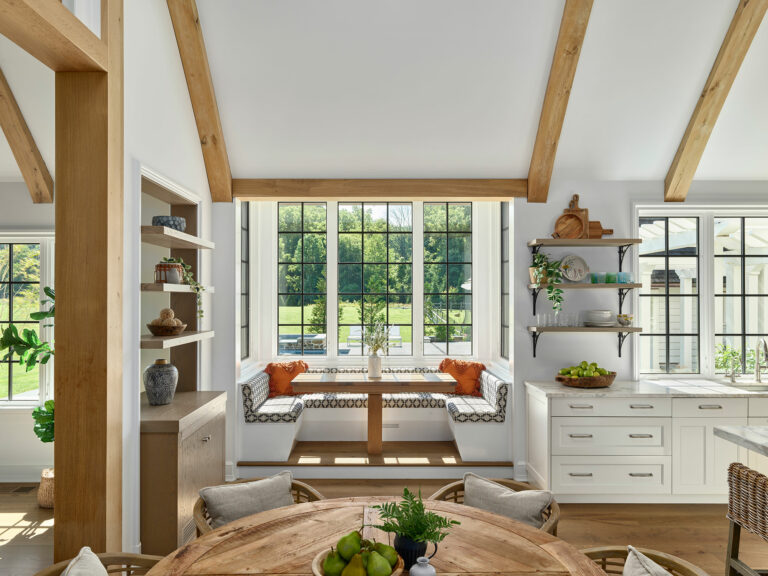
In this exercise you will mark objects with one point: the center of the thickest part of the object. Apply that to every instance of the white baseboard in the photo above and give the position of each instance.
(521, 471)
(230, 471)
(22, 473)
(641, 498)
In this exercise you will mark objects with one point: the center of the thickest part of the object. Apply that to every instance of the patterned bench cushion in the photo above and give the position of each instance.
(492, 407)
(415, 400)
(257, 407)
(335, 400)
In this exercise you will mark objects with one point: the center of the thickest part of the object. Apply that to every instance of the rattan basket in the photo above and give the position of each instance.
(588, 381)
(45, 490)
(158, 330)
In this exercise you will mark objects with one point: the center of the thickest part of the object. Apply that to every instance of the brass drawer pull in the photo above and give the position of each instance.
(710, 407)
(580, 474)
(641, 435)
(580, 435)
(641, 406)
(641, 474)
(581, 406)
(206, 438)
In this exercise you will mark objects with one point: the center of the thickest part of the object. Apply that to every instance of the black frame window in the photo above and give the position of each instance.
(448, 278)
(670, 309)
(505, 294)
(375, 274)
(19, 297)
(245, 280)
(302, 290)
(740, 287)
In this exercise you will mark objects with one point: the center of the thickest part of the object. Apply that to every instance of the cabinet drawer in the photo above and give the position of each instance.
(758, 407)
(606, 436)
(709, 407)
(575, 406)
(611, 475)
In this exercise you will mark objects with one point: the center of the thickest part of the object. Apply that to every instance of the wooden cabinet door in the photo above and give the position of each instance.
(699, 459)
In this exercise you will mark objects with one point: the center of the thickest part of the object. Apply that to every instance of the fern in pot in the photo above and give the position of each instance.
(414, 526)
(376, 338)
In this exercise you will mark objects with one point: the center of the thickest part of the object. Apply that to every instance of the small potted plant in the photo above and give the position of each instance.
(548, 273)
(188, 278)
(413, 526)
(376, 338)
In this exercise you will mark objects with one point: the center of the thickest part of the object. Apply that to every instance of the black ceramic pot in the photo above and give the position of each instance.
(411, 550)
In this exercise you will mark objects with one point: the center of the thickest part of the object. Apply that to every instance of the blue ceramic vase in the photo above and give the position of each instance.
(160, 381)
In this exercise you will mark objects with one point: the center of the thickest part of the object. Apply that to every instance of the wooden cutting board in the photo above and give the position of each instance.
(574, 222)
(596, 230)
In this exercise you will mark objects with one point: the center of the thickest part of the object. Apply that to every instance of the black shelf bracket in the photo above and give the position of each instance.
(535, 337)
(622, 295)
(535, 248)
(535, 294)
(622, 252)
(622, 336)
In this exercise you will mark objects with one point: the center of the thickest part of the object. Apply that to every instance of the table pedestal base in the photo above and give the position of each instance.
(375, 421)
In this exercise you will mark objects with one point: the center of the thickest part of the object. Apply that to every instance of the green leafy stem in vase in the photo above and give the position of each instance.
(410, 519)
(188, 278)
(549, 272)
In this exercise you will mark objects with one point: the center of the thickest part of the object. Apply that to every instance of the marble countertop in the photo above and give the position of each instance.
(752, 437)
(681, 388)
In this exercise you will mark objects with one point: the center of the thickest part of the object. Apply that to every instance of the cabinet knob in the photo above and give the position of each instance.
(206, 438)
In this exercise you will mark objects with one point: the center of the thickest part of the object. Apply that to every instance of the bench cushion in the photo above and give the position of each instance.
(415, 400)
(257, 407)
(492, 407)
(335, 400)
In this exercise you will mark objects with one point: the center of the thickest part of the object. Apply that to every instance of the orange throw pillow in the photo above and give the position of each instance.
(281, 374)
(467, 375)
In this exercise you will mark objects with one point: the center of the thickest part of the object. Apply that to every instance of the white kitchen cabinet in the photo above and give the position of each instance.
(699, 459)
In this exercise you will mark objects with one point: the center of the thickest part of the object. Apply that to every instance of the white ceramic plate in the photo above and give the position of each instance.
(574, 268)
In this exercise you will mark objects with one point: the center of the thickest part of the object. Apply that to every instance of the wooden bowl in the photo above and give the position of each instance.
(317, 564)
(588, 381)
(157, 330)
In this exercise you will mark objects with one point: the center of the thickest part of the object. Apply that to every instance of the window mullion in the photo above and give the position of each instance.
(417, 301)
(332, 278)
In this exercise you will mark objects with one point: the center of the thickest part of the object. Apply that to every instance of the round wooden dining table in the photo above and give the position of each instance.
(285, 541)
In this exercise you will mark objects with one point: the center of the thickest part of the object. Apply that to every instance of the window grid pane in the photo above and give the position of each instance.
(741, 287)
(669, 300)
(19, 298)
(302, 280)
(448, 278)
(375, 272)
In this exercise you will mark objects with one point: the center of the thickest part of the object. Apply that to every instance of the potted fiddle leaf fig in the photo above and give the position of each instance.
(31, 351)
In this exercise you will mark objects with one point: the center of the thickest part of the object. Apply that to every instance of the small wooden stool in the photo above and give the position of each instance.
(748, 509)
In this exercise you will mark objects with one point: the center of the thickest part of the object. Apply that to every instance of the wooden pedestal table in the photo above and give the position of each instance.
(285, 541)
(358, 383)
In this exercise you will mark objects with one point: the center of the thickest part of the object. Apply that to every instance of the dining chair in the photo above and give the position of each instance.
(116, 563)
(454, 492)
(747, 509)
(611, 560)
(301, 493)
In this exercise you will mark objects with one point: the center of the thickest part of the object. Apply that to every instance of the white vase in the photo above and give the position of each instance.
(374, 366)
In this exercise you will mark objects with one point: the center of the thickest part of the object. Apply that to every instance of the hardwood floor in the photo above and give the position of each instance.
(696, 532)
(26, 531)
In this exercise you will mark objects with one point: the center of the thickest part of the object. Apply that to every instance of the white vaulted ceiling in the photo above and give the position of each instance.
(453, 88)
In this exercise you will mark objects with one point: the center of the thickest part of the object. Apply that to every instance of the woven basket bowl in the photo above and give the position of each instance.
(317, 565)
(166, 330)
(588, 381)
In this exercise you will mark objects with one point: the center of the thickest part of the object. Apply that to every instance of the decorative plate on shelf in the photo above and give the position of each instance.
(574, 268)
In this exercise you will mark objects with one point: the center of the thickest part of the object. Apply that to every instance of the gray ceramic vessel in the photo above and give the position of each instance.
(160, 381)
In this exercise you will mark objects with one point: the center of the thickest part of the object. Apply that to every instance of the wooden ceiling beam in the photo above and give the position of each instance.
(379, 189)
(53, 35)
(28, 157)
(573, 28)
(194, 59)
(746, 20)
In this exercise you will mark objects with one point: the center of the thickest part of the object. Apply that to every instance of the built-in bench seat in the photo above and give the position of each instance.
(479, 425)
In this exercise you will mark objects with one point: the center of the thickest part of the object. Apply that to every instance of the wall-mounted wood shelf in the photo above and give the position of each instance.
(170, 238)
(585, 242)
(173, 288)
(149, 342)
(622, 331)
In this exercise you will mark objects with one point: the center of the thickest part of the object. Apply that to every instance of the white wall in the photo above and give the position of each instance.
(610, 202)
(160, 134)
(23, 456)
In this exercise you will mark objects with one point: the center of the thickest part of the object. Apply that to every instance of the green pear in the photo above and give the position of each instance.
(366, 555)
(349, 545)
(355, 567)
(378, 565)
(334, 564)
(389, 553)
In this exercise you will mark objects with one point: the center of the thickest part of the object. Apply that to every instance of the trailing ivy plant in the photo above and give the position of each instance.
(410, 519)
(188, 278)
(549, 272)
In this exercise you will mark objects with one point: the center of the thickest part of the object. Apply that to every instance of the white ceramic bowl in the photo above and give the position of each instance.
(598, 316)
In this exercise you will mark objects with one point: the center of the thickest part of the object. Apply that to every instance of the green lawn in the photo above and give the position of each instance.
(22, 381)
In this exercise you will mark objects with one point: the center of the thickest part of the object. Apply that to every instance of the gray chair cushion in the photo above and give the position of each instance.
(86, 563)
(229, 502)
(526, 506)
(638, 564)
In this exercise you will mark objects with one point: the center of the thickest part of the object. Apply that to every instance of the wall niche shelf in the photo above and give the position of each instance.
(149, 342)
(622, 245)
(621, 331)
(173, 288)
(170, 238)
